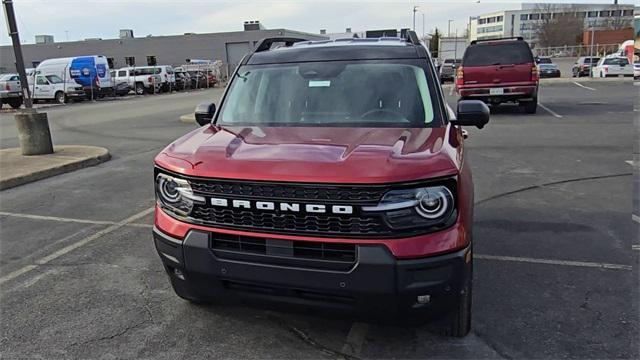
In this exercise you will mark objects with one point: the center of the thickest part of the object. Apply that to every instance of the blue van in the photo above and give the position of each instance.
(92, 72)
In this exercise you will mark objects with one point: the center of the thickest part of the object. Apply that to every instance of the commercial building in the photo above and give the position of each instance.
(229, 47)
(525, 22)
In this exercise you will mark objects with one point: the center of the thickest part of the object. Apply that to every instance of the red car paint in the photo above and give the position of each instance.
(518, 79)
(328, 155)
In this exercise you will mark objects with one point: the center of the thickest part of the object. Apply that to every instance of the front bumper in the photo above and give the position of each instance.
(376, 283)
(75, 93)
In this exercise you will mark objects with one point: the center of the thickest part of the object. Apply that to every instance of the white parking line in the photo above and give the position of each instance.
(61, 219)
(75, 245)
(630, 162)
(635, 247)
(585, 87)
(551, 111)
(635, 218)
(554, 262)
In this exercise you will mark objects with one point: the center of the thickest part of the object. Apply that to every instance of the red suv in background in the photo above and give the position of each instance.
(497, 71)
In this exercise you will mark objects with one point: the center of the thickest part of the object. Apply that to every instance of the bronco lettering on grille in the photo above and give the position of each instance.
(283, 206)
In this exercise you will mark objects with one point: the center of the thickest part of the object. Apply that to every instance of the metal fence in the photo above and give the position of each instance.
(577, 51)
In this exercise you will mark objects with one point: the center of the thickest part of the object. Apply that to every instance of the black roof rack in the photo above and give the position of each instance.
(412, 37)
(265, 44)
(519, 38)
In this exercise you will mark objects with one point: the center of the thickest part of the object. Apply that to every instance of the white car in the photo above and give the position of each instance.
(613, 66)
(636, 71)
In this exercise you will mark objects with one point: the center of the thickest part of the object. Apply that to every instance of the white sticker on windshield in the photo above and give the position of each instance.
(319, 83)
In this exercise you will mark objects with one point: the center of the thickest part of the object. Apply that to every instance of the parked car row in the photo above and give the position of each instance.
(55, 83)
(611, 65)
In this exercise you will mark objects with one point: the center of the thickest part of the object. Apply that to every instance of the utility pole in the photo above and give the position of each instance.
(33, 128)
(591, 54)
(17, 50)
(449, 28)
(423, 31)
(415, 9)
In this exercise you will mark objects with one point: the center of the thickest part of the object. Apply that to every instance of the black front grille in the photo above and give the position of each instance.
(288, 191)
(307, 254)
(326, 224)
(303, 223)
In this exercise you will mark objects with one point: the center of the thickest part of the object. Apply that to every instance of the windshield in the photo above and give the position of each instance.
(513, 53)
(547, 66)
(338, 93)
(54, 79)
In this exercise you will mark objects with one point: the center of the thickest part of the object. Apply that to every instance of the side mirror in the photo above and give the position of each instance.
(472, 113)
(204, 113)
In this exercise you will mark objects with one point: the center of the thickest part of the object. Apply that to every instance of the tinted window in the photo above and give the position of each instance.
(340, 93)
(497, 54)
(122, 73)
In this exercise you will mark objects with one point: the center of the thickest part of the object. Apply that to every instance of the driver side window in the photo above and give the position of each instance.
(41, 81)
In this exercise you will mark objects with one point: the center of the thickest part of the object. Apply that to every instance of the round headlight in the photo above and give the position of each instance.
(168, 189)
(434, 202)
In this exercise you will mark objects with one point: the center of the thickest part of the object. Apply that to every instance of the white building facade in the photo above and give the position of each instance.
(524, 22)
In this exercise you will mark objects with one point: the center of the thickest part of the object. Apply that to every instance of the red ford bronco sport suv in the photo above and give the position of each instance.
(332, 175)
(497, 71)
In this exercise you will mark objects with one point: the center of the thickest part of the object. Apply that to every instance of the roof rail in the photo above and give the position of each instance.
(519, 38)
(265, 44)
(412, 37)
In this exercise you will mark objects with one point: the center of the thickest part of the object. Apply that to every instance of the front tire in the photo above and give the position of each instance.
(60, 97)
(139, 89)
(459, 321)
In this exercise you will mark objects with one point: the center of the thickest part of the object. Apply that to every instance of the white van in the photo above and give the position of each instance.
(92, 72)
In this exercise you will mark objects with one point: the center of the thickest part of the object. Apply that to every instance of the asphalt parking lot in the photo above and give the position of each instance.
(556, 267)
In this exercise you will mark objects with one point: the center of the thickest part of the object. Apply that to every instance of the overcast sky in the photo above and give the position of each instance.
(80, 19)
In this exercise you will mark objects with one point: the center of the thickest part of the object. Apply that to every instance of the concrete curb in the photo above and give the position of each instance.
(66, 158)
(188, 118)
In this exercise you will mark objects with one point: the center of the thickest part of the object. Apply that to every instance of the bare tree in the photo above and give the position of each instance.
(558, 25)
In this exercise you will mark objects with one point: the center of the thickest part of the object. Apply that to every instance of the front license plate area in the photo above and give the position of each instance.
(496, 91)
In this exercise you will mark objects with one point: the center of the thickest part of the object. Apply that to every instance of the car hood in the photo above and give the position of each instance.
(312, 154)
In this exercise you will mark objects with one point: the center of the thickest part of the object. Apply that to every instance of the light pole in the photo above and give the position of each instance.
(415, 9)
(449, 28)
(423, 32)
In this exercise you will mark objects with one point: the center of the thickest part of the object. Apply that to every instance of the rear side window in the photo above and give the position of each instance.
(498, 54)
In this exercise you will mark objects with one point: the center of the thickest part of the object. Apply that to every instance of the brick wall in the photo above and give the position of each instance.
(608, 36)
